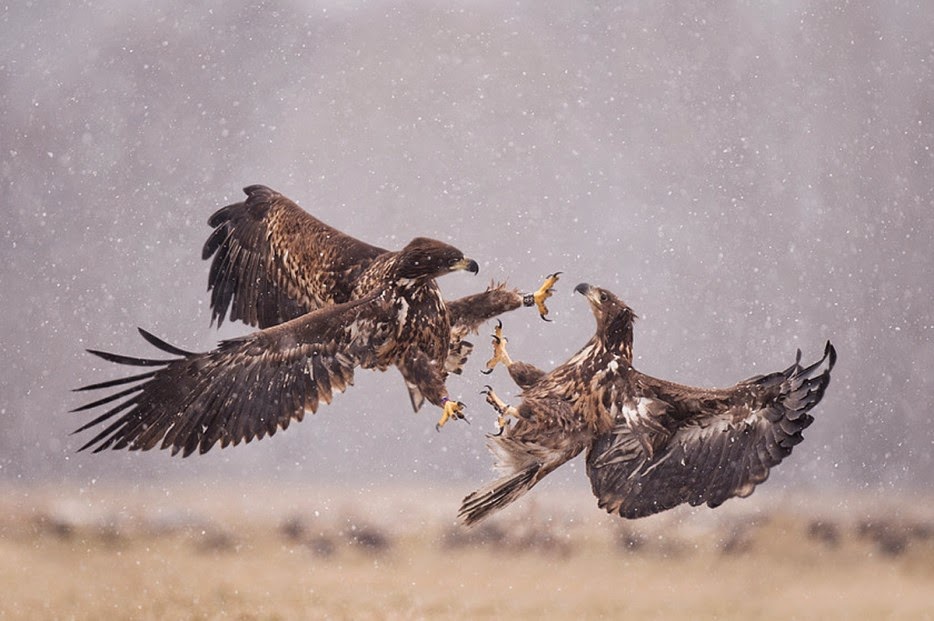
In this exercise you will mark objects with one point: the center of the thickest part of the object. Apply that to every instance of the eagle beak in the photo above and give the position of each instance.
(589, 292)
(468, 265)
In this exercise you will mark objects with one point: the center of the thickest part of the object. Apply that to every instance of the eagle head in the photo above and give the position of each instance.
(614, 319)
(430, 258)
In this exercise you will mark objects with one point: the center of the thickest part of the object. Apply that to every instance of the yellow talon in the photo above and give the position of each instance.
(544, 292)
(502, 409)
(451, 410)
(501, 423)
(499, 350)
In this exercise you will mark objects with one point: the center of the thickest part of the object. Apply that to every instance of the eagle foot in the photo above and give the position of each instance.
(501, 408)
(499, 350)
(544, 292)
(451, 410)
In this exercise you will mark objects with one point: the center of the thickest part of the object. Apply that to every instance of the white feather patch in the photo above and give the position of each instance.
(403, 310)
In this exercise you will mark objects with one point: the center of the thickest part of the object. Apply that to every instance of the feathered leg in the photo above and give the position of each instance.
(523, 374)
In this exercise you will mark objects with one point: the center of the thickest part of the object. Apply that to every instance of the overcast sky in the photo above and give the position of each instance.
(752, 178)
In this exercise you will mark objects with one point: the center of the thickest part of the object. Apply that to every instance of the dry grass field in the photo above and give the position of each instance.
(212, 552)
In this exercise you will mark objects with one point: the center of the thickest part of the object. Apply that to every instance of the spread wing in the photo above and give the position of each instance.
(246, 388)
(273, 262)
(673, 444)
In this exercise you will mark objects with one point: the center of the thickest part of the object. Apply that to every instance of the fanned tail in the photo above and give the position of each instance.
(497, 494)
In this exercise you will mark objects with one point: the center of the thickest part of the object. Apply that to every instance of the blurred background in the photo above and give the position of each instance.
(752, 178)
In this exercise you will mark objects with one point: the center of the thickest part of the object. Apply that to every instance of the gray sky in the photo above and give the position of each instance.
(750, 177)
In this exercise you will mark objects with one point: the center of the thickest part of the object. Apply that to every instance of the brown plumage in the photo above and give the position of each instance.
(326, 304)
(271, 261)
(651, 444)
(253, 385)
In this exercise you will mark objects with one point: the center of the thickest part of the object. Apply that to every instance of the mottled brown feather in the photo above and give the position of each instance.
(273, 261)
(651, 444)
(252, 386)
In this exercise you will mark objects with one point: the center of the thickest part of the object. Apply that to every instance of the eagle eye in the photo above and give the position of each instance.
(603, 297)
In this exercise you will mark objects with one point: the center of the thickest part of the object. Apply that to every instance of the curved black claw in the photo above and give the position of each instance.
(545, 292)
(458, 416)
(451, 410)
(486, 372)
(486, 389)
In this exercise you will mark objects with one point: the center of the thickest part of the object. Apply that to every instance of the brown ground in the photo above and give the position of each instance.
(216, 553)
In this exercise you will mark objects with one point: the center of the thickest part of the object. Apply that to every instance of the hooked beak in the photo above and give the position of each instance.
(468, 265)
(590, 292)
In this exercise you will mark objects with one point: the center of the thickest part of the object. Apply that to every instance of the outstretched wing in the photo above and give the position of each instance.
(246, 388)
(273, 262)
(673, 444)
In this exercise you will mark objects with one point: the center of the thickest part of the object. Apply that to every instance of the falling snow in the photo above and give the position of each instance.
(751, 178)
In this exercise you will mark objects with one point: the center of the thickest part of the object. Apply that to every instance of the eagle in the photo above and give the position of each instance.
(651, 444)
(325, 304)
(272, 261)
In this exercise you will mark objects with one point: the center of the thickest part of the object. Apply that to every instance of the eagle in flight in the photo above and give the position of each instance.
(326, 304)
(651, 444)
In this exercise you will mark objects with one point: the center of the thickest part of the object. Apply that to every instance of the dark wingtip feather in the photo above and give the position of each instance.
(830, 357)
(117, 395)
(216, 238)
(128, 360)
(106, 437)
(257, 188)
(220, 216)
(160, 344)
(115, 382)
(830, 352)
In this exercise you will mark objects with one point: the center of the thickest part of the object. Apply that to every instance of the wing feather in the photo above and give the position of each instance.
(247, 388)
(722, 443)
(272, 261)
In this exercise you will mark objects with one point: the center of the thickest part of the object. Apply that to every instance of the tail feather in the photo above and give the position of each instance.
(498, 494)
